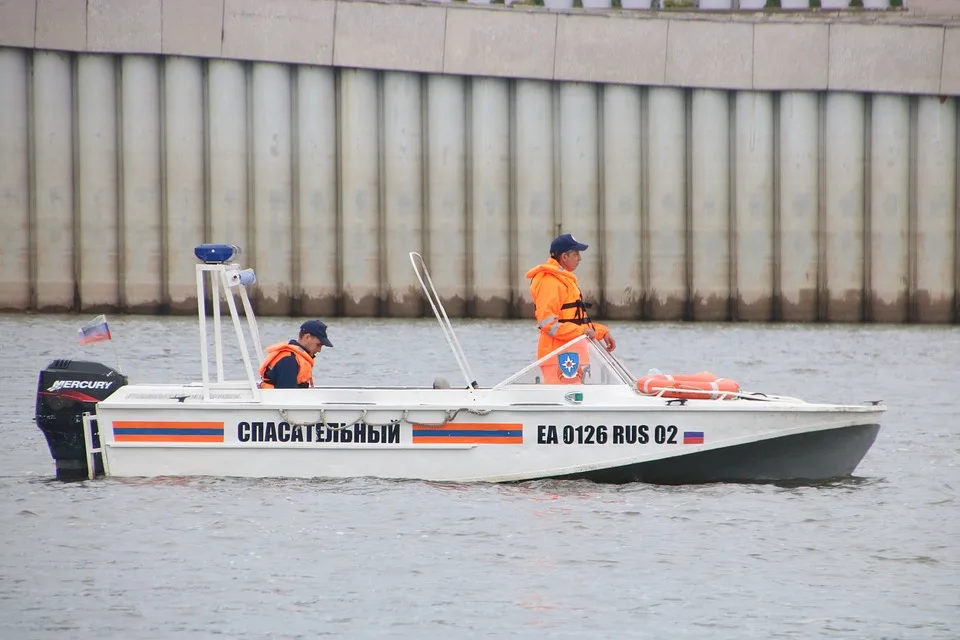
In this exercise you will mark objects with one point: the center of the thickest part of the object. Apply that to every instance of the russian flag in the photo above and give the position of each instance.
(96, 330)
(693, 437)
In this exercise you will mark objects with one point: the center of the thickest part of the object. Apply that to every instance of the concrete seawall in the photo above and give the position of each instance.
(897, 52)
(715, 174)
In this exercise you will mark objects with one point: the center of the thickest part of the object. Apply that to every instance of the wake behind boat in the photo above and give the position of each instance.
(608, 427)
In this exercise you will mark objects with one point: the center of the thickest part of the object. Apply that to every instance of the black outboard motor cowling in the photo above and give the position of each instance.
(66, 390)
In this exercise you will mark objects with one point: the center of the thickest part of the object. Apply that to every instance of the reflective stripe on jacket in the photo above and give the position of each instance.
(275, 353)
(560, 310)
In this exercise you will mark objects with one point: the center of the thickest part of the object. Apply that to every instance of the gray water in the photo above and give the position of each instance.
(875, 556)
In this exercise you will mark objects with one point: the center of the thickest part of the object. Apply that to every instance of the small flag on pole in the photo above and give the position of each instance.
(95, 331)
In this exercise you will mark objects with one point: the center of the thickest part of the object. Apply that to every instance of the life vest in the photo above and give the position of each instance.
(560, 310)
(281, 350)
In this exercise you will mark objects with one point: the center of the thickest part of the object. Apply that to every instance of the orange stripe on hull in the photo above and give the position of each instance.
(164, 424)
(464, 440)
(469, 426)
(163, 438)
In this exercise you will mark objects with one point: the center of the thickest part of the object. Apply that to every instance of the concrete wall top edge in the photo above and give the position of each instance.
(950, 73)
(131, 26)
(585, 48)
(192, 27)
(18, 22)
(411, 37)
(886, 58)
(812, 16)
(500, 43)
(891, 51)
(293, 31)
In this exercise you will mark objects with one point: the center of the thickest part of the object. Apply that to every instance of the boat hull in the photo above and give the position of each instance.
(806, 457)
(485, 435)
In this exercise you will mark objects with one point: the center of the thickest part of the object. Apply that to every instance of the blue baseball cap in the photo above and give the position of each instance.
(564, 243)
(318, 330)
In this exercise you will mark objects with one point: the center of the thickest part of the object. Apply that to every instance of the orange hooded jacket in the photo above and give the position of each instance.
(561, 314)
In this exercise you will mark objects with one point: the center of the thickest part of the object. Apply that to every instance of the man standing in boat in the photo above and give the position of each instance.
(562, 314)
(289, 365)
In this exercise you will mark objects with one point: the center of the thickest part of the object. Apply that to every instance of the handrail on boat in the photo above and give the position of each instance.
(614, 362)
(225, 277)
(449, 415)
(445, 325)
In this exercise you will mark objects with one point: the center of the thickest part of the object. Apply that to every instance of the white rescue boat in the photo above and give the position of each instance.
(605, 428)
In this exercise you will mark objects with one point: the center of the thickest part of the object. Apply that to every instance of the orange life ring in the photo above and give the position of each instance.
(697, 386)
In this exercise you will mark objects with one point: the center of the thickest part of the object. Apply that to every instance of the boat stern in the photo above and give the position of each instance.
(66, 390)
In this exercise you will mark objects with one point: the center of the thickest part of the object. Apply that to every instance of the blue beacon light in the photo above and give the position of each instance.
(216, 253)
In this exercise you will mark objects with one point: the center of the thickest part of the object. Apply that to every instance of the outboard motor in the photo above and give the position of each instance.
(66, 390)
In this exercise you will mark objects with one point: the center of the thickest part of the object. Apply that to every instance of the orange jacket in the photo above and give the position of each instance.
(275, 353)
(560, 310)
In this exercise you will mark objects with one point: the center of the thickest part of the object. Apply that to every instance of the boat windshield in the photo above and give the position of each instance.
(580, 361)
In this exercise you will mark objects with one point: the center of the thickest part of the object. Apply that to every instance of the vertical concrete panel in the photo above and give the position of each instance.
(317, 184)
(184, 170)
(622, 193)
(936, 191)
(534, 180)
(754, 205)
(98, 212)
(403, 186)
(14, 182)
(668, 202)
(446, 190)
(580, 179)
(710, 204)
(889, 207)
(227, 91)
(799, 185)
(53, 169)
(142, 229)
(272, 226)
(844, 181)
(360, 192)
(490, 226)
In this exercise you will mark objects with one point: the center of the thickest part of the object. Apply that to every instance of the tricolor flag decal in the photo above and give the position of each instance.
(693, 437)
(464, 433)
(166, 431)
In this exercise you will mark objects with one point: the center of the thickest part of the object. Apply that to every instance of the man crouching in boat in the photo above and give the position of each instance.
(561, 312)
(290, 365)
